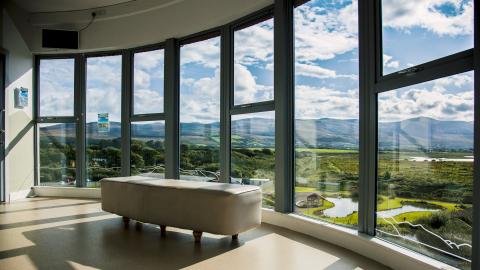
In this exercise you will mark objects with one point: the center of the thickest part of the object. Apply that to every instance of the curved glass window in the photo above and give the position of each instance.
(425, 168)
(326, 111)
(200, 110)
(415, 32)
(57, 154)
(56, 83)
(148, 70)
(147, 146)
(253, 152)
(103, 127)
(253, 63)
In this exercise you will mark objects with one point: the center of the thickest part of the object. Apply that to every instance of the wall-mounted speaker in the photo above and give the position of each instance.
(60, 39)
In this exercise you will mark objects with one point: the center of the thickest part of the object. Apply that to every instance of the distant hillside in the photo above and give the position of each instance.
(424, 133)
(416, 134)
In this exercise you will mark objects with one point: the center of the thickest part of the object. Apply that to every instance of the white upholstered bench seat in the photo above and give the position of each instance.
(217, 208)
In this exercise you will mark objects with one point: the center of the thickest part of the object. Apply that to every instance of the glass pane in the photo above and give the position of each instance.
(148, 82)
(253, 63)
(253, 152)
(56, 82)
(103, 130)
(57, 154)
(200, 110)
(326, 116)
(147, 149)
(420, 31)
(425, 168)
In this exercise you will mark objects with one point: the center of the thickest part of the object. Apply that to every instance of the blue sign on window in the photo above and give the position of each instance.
(103, 124)
(21, 97)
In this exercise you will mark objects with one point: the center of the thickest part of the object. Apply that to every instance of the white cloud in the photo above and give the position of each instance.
(104, 87)
(427, 14)
(141, 79)
(254, 45)
(205, 53)
(323, 102)
(200, 94)
(149, 60)
(103, 100)
(314, 71)
(201, 102)
(458, 80)
(246, 89)
(322, 34)
(147, 101)
(147, 66)
(56, 87)
(435, 99)
(389, 62)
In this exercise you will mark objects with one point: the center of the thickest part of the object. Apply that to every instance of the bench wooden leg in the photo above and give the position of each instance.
(163, 230)
(235, 237)
(138, 225)
(126, 221)
(198, 236)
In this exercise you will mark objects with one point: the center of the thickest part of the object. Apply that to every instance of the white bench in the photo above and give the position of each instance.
(217, 208)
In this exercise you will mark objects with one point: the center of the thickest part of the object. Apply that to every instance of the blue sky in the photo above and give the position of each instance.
(326, 52)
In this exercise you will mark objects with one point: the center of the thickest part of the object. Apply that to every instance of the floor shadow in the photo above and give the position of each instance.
(50, 220)
(106, 244)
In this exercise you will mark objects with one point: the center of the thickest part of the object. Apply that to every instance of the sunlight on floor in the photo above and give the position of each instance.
(22, 262)
(272, 251)
(76, 234)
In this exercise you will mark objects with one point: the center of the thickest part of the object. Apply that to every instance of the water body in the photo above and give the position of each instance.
(429, 159)
(345, 206)
(403, 209)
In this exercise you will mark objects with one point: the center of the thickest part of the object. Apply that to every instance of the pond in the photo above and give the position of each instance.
(345, 206)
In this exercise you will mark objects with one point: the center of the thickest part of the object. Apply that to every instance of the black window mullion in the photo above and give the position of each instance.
(147, 117)
(476, 142)
(53, 119)
(127, 82)
(253, 107)
(80, 118)
(368, 48)
(439, 68)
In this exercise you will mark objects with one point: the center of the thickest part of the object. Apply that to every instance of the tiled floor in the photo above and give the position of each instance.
(58, 233)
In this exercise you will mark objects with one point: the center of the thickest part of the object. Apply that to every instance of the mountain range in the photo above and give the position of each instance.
(419, 133)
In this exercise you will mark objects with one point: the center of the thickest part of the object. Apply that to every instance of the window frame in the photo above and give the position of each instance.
(373, 83)
(125, 90)
(216, 32)
(263, 15)
(37, 112)
(243, 23)
(38, 120)
(144, 116)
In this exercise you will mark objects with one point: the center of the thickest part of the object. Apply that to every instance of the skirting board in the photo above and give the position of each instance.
(388, 254)
(44, 191)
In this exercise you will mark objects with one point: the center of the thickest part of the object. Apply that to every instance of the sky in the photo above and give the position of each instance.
(326, 67)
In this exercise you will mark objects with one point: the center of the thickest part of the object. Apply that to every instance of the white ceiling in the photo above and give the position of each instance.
(35, 6)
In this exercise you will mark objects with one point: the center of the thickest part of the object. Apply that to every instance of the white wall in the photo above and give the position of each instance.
(19, 161)
(137, 23)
